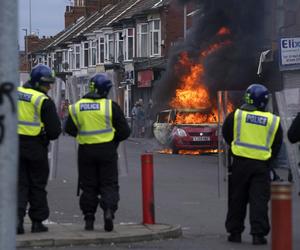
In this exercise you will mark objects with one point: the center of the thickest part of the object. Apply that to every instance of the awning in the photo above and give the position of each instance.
(145, 78)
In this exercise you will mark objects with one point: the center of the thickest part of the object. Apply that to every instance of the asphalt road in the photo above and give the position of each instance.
(186, 193)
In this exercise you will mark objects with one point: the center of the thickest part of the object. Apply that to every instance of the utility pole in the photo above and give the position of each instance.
(30, 17)
(9, 78)
(184, 21)
(26, 49)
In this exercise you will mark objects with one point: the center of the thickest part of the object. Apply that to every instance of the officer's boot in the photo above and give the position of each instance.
(108, 220)
(38, 227)
(89, 222)
(259, 240)
(20, 227)
(235, 237)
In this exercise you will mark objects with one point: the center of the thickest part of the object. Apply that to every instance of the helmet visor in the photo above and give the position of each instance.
(47, 79)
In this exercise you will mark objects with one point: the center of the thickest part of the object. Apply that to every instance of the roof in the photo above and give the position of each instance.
(110, 14)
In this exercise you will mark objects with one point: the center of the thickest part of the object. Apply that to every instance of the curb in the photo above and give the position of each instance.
(67, 235)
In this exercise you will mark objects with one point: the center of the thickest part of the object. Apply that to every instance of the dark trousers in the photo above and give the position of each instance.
(249, 183)
(98, 177)
(32, 182)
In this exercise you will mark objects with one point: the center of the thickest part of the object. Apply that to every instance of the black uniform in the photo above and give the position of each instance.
(34, 167)
(294, 130)
(249, 183)
(97, 164)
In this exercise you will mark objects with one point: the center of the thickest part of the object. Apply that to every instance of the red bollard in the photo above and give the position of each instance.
(281, 216)
(147, 187)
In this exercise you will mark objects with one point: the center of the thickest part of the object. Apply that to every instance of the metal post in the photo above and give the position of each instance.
(26, 49)
(147, 188)
(281, 216)
(8, 122)
(184, 21)
(30, 17)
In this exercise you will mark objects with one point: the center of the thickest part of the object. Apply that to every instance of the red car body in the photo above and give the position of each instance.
(202, 136)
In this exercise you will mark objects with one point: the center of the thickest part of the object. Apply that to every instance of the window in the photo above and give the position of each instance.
(155, 38)
(77, 57)
(101, 50)
(45, 60)
(129, 51)
(119, 46)
(71, 58)
(93, 53)
(85, 54)
(110, 47)
(143, 40)
(49, 61)
(65, 60)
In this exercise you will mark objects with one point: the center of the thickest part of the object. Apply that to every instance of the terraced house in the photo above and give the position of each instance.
(128, 39)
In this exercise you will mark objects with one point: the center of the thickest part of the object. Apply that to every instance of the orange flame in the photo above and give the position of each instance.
(196, 118)
(190, 152)
(224, 31)
(213, 47)
(192, 93)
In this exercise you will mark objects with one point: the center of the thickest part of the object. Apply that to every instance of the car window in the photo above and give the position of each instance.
(195, 117)
(163, 117)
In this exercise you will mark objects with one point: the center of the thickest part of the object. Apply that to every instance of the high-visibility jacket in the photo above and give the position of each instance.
(254, 133)
(29, 111)
(93, 119)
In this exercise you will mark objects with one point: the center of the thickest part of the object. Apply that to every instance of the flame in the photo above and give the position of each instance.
(213, 47)
(196, 118)
(192, 93)
(224, 31)
(191, 152)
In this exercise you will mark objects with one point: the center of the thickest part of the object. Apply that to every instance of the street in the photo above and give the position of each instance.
(186, 194)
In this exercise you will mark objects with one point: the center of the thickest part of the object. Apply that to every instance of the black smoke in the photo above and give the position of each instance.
(233, 67)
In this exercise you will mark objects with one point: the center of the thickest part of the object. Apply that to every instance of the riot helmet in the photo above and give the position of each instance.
(100, 84)
(257, 95)
(41, 75)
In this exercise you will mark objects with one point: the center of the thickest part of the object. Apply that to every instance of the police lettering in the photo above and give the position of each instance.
(89, 106)
(256, 119)
(24, 97)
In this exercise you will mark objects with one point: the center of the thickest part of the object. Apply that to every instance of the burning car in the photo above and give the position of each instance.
(186, 129)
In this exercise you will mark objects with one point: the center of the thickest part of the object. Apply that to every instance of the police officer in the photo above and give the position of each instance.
(294, 130)
(99, 125)
(254, 136)
(38, 123)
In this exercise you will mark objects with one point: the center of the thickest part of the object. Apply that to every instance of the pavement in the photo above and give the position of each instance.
(74, 234)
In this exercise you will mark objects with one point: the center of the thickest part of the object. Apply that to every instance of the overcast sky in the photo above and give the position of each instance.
(47, 17)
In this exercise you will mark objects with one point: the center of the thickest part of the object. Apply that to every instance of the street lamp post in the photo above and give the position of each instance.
(29, 17)
(26, 49)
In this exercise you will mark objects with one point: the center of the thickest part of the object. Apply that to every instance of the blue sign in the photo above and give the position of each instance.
(290, 53)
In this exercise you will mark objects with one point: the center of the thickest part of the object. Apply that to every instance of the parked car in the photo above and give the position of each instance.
(178, 129)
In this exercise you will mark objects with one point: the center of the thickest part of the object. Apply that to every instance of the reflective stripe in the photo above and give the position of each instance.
(96, 132)
(75, 115)
(36, 107)
(107, 116)
(33, 124)
(243, 144)
(271, 131)
(239, 125)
